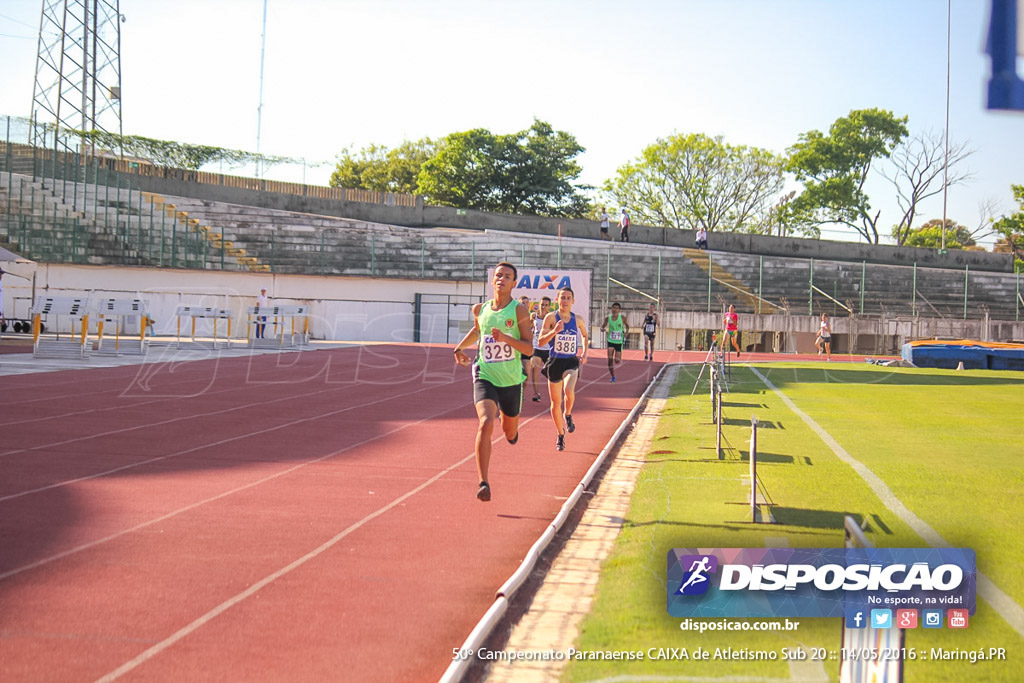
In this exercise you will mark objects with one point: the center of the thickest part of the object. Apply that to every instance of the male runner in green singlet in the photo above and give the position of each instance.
(616, 329)
(502, 332)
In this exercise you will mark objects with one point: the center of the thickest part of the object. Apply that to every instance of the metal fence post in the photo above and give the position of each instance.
(710, 267)
(913, 303)
(760, 281)
(659, 277)
(608, 278)
(967, 271)
(810, 291)
(753, 469)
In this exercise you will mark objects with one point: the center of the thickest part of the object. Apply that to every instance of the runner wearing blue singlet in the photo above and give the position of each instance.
(567, 332)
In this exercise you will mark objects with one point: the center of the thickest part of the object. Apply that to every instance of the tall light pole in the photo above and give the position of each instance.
(945, 163)
(259, 109)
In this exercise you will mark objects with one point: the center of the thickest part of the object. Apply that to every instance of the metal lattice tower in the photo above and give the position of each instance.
(78, 67)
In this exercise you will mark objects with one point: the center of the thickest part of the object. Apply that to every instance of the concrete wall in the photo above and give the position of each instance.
(379, 309)
(438, 216)
(342, 308)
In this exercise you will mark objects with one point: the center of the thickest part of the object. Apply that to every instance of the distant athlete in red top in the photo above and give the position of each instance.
(732, 327)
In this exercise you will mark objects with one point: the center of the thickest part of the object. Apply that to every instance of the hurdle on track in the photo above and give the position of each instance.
(118, 312)
(289, 324)
(75, 308)
(193, 313)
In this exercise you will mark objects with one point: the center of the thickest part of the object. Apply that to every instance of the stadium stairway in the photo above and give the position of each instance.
(64, 220)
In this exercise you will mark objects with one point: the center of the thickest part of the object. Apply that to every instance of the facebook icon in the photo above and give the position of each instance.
(856, 619)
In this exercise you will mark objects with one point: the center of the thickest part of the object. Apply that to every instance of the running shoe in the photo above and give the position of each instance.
(613, 378)
(645, 356)
(559, 445)
(484, 492)
(536, 398)
(569, 425)
(514, 439)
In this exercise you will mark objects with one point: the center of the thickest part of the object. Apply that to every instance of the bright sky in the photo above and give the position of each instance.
(617, 75)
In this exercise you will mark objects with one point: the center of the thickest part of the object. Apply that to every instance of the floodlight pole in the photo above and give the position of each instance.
(945, 163)
(259, 109)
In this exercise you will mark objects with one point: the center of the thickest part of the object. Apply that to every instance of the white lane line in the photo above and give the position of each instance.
(118, 393)
(193, 506)
(208, 444)
(1000, 601)
(231, 602)
(176, 419)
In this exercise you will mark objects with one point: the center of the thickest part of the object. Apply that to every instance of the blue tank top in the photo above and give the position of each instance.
(566, 343)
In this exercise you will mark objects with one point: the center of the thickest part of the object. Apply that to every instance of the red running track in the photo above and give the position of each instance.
(306, 516)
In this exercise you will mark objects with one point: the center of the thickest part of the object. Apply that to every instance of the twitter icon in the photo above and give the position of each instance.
(881, 618)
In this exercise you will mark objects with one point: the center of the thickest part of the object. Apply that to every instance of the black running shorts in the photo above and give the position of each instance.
(557, 367)
(615, 347)
(509, 399)
(542, 354)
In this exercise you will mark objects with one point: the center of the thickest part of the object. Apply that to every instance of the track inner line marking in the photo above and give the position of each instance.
(1000, 601)
(91, 544)
(187, 508)
(183, 418)
(256, 587)
(205, 445)
(119, 393)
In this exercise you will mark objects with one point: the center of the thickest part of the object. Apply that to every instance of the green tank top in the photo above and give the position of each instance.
(498, 362)
(616, 329)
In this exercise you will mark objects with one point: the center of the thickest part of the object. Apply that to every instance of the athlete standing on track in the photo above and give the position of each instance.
(732, 329)
(501, 330)
(540, 353)
(617, 328)
(650, 329)
(568, 331)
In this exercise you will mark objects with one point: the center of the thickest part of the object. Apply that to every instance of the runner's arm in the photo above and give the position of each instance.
(550, 329)
(581, 325)
(471, 338)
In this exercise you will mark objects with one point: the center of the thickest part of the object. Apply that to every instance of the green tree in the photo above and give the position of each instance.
(834, 168)
(929, 235)
(1011, 230)
(688, 181)
(529, 172)
(385, 170)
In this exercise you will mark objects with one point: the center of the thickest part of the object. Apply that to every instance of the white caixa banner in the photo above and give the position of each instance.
(540, 282)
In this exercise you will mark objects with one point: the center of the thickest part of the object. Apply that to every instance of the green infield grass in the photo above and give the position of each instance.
(946, 443)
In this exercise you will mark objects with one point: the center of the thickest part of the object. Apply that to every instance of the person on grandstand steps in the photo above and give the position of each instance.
(650, 329)
(568, 333)
(501, 331)
(825, 337)
(540, 353)
(616, 329)
(732, 329)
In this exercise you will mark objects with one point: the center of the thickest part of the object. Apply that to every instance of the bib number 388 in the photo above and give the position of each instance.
(495, 351)
(565, 343)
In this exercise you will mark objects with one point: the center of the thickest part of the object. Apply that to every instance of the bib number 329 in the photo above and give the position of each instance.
(495, 351)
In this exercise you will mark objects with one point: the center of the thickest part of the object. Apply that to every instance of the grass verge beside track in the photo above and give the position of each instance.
(945, 442)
